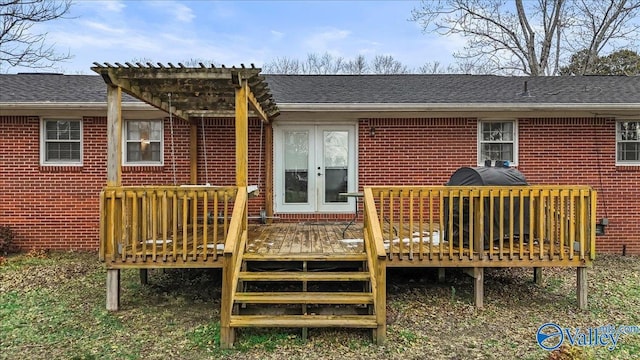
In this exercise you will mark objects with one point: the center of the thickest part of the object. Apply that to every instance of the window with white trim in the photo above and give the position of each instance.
(497, 140)
(143, 142)
(61, 142)
(628, 142)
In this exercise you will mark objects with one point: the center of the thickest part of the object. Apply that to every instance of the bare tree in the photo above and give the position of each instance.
(530, 37)
(386, 64)
(198, 62)
(434, 67)
(357, 66)
(282, 65)
(322, 64)
(19, 45)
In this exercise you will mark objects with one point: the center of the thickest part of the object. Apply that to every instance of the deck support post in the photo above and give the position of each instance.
(380, 333)
(113, 289)
(537, 275)
(581, 284)
(144, 276)
(477, 273)
(441, 274)
(114, 178)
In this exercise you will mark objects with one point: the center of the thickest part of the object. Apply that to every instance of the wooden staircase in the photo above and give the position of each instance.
(306, 291)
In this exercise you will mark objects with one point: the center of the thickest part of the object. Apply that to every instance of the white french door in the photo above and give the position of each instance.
(313, 165)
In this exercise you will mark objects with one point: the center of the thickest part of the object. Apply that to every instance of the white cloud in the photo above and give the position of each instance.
(114, 6)
(322, 41)
(183, 13)
(175, 9)
(101, 27)
(276, 35)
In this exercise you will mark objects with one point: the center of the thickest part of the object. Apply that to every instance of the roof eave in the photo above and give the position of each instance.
(72, 106)
(456, 107)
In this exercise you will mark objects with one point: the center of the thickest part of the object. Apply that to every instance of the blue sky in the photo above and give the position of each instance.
(235, 32)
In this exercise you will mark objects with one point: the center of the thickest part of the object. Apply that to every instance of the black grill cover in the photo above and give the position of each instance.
(486, 176)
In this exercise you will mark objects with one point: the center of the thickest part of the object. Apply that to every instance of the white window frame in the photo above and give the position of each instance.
(125, 160)
(44, 141)
(620, 141)
(513, 162)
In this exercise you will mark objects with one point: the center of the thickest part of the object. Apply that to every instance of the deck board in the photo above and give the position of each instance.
(301, 238)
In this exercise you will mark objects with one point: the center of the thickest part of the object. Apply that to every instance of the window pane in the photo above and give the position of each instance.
(144, 141)
(52, 152)
(143, 127)
(156, 130)
(630, 131)
(497, 152)
(155, 151)
(74, 130)
(133, 132)
(295, 186)
(62, 140)
(133, 151)
(336, 161)
(497, 131)
(296, 147)
(296, 164)
(629, 151)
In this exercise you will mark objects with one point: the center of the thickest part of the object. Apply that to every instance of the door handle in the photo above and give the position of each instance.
(319, 174)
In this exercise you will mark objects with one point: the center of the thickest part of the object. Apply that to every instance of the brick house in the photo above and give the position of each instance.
(334, 134)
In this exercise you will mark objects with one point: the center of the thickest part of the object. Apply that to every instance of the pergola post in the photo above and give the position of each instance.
(268, 170)
(242, 134)
(193, 153)
(114, 177)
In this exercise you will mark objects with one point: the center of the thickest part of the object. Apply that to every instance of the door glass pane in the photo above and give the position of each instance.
(296, 166)
(336, 165)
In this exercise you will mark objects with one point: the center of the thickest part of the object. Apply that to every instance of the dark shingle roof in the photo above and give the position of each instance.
(418, 89)
(54, 88)
(364, 89)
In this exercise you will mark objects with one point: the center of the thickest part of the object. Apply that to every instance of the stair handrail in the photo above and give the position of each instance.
(376, 260)
(372, 224)
(233, 252)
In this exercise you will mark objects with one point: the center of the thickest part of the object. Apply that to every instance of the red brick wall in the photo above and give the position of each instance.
(57, 207)
(583, 152)
(551, 151)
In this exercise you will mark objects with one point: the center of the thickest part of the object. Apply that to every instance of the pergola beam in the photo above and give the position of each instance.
(255, 105)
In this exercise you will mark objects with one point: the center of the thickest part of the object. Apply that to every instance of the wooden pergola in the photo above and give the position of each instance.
(183, 92)
(187, 92)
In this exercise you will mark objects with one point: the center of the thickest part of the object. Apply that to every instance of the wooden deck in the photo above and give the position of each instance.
(305, 238)
(464, 227)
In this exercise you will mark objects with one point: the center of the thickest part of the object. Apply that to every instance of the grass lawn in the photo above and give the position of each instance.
(52, 306)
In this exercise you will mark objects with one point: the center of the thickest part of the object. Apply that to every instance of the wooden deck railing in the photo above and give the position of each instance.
(469, 226)
(147, 225)
(376, 262)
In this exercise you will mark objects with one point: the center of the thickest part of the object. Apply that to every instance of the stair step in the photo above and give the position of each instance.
(304, 321)
(303, 276)
(305, 257)
(304, 298)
